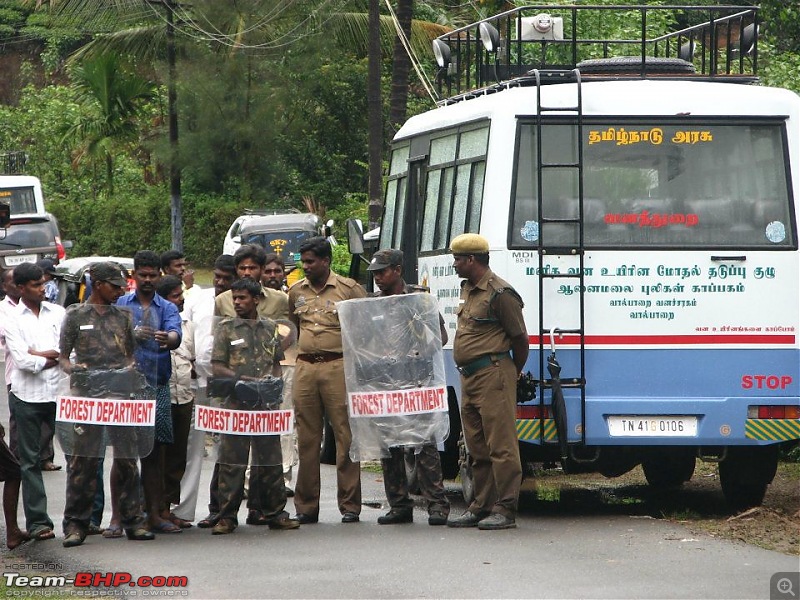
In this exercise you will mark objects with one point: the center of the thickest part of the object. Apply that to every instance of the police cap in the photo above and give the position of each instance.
(110, 272)
(383, 259)
(469, 243)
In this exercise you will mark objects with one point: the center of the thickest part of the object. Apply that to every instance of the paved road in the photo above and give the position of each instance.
(553, 556)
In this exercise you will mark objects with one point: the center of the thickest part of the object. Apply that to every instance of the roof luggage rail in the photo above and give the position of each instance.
(706, 43)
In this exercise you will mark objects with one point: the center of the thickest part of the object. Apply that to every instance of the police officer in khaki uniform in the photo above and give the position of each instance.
(319, 388)
(490, 324)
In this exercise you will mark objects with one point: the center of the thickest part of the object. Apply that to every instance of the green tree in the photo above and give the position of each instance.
(111, 98)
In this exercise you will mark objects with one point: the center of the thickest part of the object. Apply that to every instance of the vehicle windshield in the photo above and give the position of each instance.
(21, 200)
(686, 184)
(285, 244)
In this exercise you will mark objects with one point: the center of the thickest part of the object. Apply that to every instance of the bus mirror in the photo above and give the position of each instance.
(355, 236)
(5, 214)
(327, 229)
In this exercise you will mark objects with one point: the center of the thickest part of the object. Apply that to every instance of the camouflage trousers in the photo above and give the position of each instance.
(267, 492)
(429, 478)
(81, 488)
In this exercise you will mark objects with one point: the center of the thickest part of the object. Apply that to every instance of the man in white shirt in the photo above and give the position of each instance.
(32, 337)
(199, 309)
(182, 394)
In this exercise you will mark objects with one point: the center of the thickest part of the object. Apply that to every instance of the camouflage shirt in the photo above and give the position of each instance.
(101, 340)
(249, 348)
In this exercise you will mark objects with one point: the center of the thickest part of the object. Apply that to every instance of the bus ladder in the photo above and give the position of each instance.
(545, 249)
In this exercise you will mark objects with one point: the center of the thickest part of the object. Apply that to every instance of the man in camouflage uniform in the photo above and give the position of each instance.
(387, 269)
(247, 348)
(490, 324)
(249, 261)
(102, 337)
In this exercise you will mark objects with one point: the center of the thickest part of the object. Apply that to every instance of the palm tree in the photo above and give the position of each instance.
(111, 98)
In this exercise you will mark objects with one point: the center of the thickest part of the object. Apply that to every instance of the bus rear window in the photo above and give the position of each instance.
(674, 185)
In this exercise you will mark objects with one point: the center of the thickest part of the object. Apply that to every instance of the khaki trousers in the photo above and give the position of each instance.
(488, 417)
(319, 390)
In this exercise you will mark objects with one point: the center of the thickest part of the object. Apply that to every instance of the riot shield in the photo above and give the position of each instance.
(394, 369)
(106, 400)
(245, 391)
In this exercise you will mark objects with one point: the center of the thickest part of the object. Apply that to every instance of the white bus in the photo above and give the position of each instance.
(638, 192)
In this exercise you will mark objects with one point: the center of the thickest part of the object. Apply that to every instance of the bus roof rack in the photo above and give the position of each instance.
(270, 211)
(700, 43)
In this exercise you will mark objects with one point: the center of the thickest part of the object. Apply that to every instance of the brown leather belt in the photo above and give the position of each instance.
(320, 357)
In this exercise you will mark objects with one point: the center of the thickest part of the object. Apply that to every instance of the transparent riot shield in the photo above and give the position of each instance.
(107, 400)
(245, 391)
(394, 369)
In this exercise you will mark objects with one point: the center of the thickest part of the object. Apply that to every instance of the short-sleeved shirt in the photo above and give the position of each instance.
(101, 340)
(249, 348)
(162, 315)
(316, 314)
(272, 305)
(489, 316)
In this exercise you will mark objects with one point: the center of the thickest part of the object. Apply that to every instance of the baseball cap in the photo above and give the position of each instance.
(46, 265)
(385, 258)
(110, 272)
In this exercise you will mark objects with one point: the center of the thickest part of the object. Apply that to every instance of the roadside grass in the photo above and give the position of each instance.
(371, 466)
(546, 492)
(681, 515)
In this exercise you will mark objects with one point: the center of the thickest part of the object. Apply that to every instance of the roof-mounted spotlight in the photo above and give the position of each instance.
(490, 37)
(441, 51)
(748, 39)
(686, 51)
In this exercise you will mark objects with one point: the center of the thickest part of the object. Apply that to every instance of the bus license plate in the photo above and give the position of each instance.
(652, 426)
(13, 261)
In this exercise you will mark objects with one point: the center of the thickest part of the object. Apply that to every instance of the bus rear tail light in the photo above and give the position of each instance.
(533, 411)
(774, 412)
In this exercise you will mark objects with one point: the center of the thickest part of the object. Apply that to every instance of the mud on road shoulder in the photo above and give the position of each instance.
(698, 505)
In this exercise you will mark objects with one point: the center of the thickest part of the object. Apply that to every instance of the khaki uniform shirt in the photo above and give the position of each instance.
(316, 315)
(482, 330)
(273, 305)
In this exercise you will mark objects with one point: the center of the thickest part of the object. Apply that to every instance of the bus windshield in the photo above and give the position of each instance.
(657, 184)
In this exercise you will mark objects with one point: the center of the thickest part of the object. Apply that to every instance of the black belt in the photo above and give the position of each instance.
(481, 363)
(320, 357)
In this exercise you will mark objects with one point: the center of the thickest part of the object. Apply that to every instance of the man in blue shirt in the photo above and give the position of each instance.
(157, 327)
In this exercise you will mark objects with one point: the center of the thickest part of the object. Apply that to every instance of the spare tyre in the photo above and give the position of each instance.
(633, 64)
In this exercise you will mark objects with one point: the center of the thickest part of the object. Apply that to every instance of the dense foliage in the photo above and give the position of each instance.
(272, 111)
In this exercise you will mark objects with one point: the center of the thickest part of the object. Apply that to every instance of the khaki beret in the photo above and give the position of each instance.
(469, 243)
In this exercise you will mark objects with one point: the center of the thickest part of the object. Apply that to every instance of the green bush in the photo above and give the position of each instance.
(11, 17)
